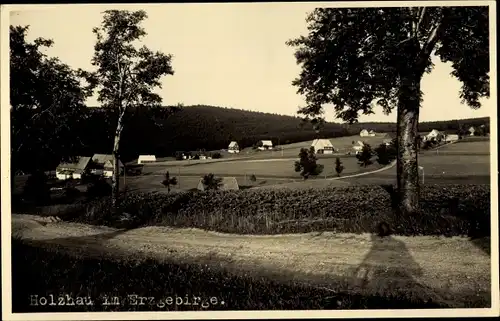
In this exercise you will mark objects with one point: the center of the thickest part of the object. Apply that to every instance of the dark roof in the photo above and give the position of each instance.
(101, 159)
(78, 166)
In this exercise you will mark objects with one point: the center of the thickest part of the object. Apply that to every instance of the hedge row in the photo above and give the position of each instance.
(445, 210)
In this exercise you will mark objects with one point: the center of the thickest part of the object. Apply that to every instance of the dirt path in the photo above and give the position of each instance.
(452, 270)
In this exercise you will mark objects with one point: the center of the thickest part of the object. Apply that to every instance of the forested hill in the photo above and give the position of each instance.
(208, 127)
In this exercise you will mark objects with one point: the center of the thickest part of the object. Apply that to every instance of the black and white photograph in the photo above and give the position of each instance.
(249, 160)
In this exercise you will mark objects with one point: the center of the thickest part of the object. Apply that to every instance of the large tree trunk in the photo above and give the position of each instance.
(115, 181)
(407, 131)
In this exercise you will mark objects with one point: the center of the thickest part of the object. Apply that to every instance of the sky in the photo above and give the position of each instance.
(228, 55)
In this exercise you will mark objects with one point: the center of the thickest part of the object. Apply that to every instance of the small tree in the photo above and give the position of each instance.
(211, 182)
(167, 182)
(385, 153)
(364, 157)
(338, 166)
(253, 178)
(307, 165)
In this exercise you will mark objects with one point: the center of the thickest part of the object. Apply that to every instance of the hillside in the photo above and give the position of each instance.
(210, 128)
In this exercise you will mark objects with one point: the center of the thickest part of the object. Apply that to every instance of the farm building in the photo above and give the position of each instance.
(233, 148)
(146, 159)
(265, 145)
(103, 164)
(366, 133)
(434, 135)
(228, 183)
(358, 146)
(73, 170)
(472, 131)
(323, 146)
(451, 138)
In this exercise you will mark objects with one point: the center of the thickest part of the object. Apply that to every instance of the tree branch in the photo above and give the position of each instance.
(428, 46)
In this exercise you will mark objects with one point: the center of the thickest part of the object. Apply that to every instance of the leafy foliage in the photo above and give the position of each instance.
(365, 155)
(169, 181)
(98, 187)
(253, 178)
(355, 56)
(306, 164)
(36, 189)
(386, 153)
(47, 101)
(338, 166)
(211, 182)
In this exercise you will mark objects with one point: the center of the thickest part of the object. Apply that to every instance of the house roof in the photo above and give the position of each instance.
(364, 130)
(267, 142)
(471, 128)
(233, 144)
(434, 132)
(101, 159)
(321, 143)
(79, 166)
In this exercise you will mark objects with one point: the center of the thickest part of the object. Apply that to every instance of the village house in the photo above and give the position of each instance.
(73, 170)
(146, 159)
(434, 135)
(323, 146)
(103, 165)
(358, 146)
(265, 145)
(233, 148)
(366, 133)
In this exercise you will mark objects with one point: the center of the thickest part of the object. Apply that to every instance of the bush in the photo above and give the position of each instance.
(307, 165)
(348, 209)
(338, 166)
(37, 189)
(385, 154)
(253, 178)
(216, 155)
(169, 181)
(98, 187)
(210, 182)
(364, 157)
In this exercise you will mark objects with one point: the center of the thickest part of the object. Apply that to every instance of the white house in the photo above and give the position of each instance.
(73, 170)
(233, 148)
(103, 164)
(451, 138)
(366, 133)
(265, 145)
(472, 131)
(358, 147)
(434, 134)
(146, 159)
(323, 146)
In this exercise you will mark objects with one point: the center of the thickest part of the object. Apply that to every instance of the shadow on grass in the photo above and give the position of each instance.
(86, 266)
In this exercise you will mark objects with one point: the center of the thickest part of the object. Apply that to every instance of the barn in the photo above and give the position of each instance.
(323, 146)
(103, 164)
(146, 159)
(265, 145)
(73, 170)
(233, 148)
